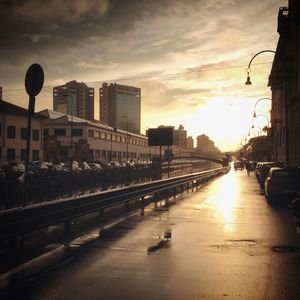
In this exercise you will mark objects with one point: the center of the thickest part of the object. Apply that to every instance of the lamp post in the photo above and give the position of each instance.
(261, 99)
(127, 136)
(248, 81)
(262, 116)
(71, 134)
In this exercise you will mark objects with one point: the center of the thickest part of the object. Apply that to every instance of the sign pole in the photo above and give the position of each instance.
(34, 81)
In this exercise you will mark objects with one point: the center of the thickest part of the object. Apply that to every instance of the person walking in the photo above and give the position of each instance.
(248, 168)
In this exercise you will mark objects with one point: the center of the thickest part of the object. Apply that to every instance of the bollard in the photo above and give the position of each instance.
(16, 247)
(155, 200)
(143, 206)
(101, 223)
(127, 206)
(67, 232)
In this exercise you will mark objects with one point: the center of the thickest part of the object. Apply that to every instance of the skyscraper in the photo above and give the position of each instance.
(120, 106)
(74, 98)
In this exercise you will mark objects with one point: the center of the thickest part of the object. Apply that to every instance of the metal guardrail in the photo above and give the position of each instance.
(18, 221)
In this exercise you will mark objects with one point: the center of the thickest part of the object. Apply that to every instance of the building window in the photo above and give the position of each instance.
(35, 155)
(35, 134)
(103, 153)
(102, 135)
(77, 132)
(97, 153)
(60, 131)
(11, 153)
(11, 132)
(23, 133)
(46, 131)
(91, 133)
(23, 154)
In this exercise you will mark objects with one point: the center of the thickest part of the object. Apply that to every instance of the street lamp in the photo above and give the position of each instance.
(261, 99)
(259, 129)
(263, 116)
(248, 81)
(126, 136)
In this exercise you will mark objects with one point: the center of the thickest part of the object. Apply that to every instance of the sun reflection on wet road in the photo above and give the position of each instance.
(224, 199)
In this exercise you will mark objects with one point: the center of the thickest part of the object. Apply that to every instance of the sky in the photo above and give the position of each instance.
(189, 57)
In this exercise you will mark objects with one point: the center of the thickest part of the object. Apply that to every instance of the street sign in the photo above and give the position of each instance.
(34, 80)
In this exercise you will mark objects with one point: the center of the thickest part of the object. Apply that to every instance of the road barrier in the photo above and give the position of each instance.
(19, 221)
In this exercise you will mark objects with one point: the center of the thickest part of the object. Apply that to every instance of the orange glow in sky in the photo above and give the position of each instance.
(206, 45)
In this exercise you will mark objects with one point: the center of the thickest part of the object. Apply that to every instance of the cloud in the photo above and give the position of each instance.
(46, 11)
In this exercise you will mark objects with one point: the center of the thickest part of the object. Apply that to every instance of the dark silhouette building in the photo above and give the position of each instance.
(120, 106)
(74, 98)
(285, 85)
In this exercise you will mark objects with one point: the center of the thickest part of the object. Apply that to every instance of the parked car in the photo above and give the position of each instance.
(2, 174)
(264, 170)
(95, 166)
(258, 167)
(282, 185)
(252, 165)
(14, 169)
(238, 165)
(84, 166)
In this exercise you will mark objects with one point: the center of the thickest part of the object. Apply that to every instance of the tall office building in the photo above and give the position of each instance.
(120, 106)
(190, 142)
(74, 98)
(180, 136)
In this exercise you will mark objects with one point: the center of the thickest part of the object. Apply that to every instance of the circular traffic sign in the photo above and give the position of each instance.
(34, 79)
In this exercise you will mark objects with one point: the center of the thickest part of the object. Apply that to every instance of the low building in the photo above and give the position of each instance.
(259, 149)
(13, 134)
(71, 138)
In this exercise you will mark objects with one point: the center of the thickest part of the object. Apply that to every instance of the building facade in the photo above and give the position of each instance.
(284, 81)
(258, 149)
(190, 142)
(67, 138)
(13, 134)
(180, 137)
(74, 98)
(120, 107)
(206, 145)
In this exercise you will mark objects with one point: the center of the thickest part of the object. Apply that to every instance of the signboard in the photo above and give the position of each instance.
(160, 136)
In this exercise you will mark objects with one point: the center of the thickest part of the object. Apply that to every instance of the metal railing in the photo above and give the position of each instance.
(19, 221)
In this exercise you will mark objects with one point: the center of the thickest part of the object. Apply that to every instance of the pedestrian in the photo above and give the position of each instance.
(248, 168)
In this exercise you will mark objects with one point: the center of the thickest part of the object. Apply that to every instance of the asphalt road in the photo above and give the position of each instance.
(222, 241)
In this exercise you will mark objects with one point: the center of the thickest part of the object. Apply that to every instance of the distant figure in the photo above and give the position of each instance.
(248, 168)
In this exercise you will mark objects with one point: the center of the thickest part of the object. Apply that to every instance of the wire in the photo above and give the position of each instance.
(154, 76)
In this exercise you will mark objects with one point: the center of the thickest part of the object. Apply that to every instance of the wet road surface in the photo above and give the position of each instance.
(222, 241)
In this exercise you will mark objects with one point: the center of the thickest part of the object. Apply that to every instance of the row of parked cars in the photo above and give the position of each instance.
(37, 167)
(280, 184)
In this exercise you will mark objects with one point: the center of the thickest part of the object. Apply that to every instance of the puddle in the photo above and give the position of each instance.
(249, 243)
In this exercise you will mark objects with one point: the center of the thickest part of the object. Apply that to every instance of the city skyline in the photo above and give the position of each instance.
(205, 44)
